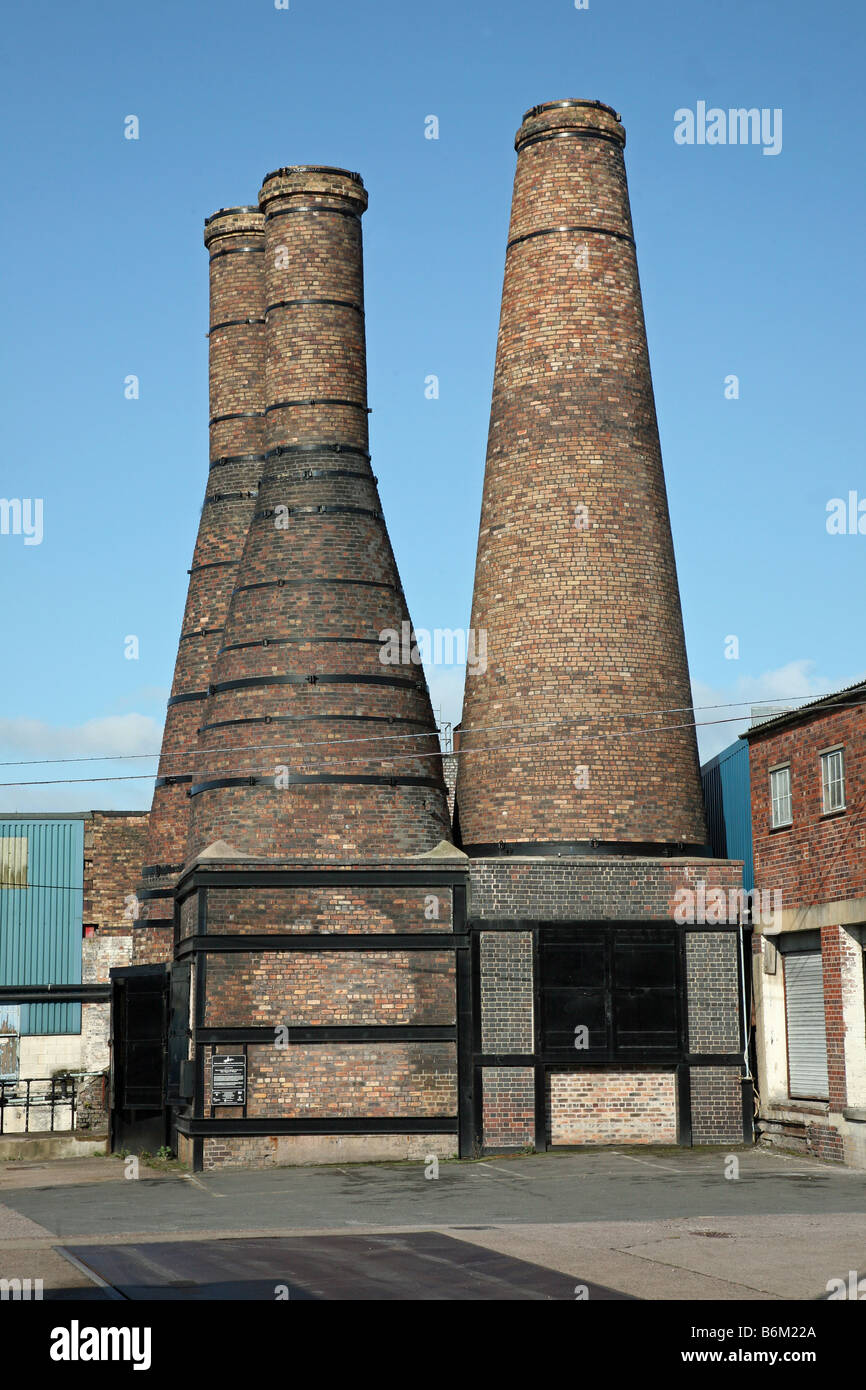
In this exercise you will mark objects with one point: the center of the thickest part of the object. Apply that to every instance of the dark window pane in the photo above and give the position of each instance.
(574, 964)
(645, 1019)
(564, 1010)
(637, 964)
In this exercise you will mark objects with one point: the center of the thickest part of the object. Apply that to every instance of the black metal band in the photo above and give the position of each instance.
(296, 303)
(286, 583)
(146, 895)
(320, 779)
(160, 870)
(237, 458)
(237, 415)
(315, 449)
(583, 133)
(171, 781)
(549, 231)
(211, 565)
(247, 682)
(311, 207)
(231, 323)
(349, 1124)
(289, 641)
(228, 497)
(315, 511)
(187, 698)
(198, 632)
(239, 250)
(318, 719)
(575, 849)
(227, 212)
(308, 473)
(323, 400)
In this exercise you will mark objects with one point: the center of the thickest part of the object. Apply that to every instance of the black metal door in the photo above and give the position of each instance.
(139, 1008)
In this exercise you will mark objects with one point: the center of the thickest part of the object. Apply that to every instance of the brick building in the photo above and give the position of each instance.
(67, 906)
(344, 969)
(808, 784)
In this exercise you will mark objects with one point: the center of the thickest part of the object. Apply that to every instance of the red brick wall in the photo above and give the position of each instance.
(268, 988)
(508, 1107)
(114, 843)
(613, 1107)
(818, 858)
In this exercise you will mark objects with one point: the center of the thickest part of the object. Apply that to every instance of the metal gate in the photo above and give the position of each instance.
(139, 1008)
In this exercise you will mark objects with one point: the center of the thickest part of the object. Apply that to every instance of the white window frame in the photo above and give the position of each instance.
(775, 800)
(827, 783)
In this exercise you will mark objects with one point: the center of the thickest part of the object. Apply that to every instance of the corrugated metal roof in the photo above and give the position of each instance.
(40, 925)
(844, 696)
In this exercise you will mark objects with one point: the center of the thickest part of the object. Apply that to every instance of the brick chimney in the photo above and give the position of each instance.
(585, 704)
(311, 746)
(235, 240)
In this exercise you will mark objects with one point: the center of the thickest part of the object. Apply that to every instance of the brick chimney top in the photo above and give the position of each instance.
(313, 180)
(552, 118)
(232, 222)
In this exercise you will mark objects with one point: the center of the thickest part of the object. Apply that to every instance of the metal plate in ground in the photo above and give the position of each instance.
(423, 1265)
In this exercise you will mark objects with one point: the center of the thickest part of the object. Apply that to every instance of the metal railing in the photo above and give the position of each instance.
(41, 1104)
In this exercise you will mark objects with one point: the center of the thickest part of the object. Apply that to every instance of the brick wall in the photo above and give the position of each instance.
(612, 1107)
(506, 992)
(243, 911)
(99, 955)
(114, 843)
(711, 977)
(717, 1105)
(267, 988)
(586, 889)
(361, 1080)
(817, 858)
(508, 1107)
(582, 621)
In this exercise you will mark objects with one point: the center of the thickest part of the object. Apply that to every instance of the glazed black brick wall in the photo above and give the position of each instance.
(712, 982)
(584, 889)
(506, 992)
(582, 625)
(717, 1105)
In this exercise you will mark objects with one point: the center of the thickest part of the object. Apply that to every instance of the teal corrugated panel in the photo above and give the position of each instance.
(40, 925)
(727, 798)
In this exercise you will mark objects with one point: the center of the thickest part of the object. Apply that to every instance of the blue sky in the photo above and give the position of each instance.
(750, 265)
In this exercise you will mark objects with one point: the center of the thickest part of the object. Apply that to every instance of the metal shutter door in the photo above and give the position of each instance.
(807, 1037)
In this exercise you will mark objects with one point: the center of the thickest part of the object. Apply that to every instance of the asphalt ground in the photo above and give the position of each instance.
(647, 1224)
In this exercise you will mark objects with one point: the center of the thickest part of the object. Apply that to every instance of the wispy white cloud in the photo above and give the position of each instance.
(787, 685)
(32, 741)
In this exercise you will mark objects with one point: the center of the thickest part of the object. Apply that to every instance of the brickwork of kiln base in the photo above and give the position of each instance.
(357, 1080)
(271, 989)
(508, 1107)
(612, 1107)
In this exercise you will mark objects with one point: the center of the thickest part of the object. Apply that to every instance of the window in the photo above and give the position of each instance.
(618, 988)
(833, 780)
(780, 796)
(13, 861)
